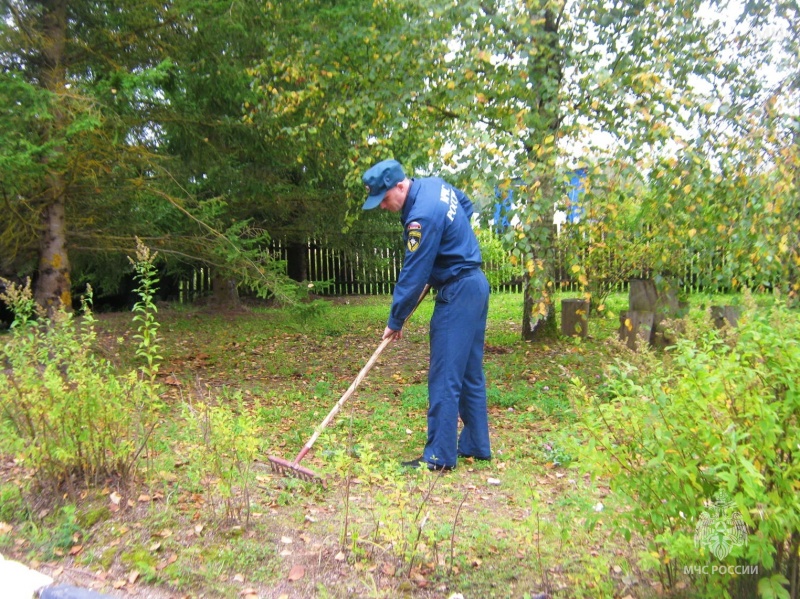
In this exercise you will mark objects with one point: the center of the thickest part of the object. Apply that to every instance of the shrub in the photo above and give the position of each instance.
(226, 444)
(65, 411)
(497, 262)
(708, 434)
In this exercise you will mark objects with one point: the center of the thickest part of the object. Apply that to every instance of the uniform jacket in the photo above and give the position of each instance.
(440, 243)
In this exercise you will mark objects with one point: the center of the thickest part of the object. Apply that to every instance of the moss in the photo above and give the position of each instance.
(91, 517)
(140, 559)
(107, 558)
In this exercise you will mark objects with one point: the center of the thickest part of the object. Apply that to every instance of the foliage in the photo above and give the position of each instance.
(719, 414)
(226, 443)
(401, 518)
(609, 245)
(65, 411)
(145, 311)
(138, 135)
(496, 262)
(483, 531)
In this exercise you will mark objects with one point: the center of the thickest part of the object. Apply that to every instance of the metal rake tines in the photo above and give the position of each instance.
(287, 468)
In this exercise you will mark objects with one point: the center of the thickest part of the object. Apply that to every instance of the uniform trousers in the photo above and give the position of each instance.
(456, 382)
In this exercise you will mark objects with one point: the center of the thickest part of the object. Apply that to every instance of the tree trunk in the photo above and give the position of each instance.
(539, 313)
(53, 288)
(224, 292)
(297, 261)
(543, 122)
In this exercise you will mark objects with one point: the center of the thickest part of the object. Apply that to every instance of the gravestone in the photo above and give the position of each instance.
(645, 298)
(575, 317)
(635, 327)
(725, 315)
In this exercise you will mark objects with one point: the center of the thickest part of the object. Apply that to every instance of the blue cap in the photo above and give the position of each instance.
(380, 179)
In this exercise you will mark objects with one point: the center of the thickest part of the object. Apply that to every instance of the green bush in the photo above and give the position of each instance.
(221, 456)
(496, 259)
(64, 410)
(708, 434)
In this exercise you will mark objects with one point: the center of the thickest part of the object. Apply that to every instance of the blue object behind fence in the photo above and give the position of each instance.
(575, 189)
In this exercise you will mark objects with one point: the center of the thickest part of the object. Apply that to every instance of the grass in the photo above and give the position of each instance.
(523, 524)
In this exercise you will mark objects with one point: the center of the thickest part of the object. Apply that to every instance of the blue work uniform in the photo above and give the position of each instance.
(441, 250)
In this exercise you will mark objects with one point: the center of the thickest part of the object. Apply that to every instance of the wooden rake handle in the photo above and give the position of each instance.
(360, 377)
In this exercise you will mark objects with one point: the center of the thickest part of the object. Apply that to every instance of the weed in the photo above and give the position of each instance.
(553, 453)
(66, 531)
(145, 310)
(13, 507)
(222, 455)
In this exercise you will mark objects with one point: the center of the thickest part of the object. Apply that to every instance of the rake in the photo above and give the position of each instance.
(293, 468)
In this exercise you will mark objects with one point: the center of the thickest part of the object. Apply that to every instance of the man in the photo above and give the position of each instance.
(441, 250)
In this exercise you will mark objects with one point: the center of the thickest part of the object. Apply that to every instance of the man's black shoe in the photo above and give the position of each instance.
(475, 457)
(418, 463)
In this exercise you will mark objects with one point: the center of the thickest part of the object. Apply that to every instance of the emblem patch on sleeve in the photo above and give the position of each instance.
(414, 238)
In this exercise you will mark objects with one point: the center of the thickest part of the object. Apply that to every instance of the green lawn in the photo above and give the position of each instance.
(201, 520)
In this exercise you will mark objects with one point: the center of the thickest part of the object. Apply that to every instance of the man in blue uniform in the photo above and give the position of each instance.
(441, 250)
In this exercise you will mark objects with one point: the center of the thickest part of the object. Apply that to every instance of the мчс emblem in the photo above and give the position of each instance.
(414, 236)
(721, 527)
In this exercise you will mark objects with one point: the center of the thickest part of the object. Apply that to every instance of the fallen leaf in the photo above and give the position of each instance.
(144, 498)
(339, 557)
(493, 481)
(76, 549)
(388, 569)
(5, 528)
(238, 578)
(133, 577)
(296, 573)
(115, 498)
(286, 540)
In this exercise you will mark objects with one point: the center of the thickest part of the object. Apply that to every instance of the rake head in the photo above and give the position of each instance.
(287, 468)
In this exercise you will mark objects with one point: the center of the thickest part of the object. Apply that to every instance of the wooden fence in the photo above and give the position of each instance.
(369, 270)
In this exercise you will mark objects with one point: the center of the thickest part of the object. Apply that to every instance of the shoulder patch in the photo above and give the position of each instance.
(413, 226)
(414, 240)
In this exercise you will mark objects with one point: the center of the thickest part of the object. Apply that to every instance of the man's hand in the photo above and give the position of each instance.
(387, 332)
